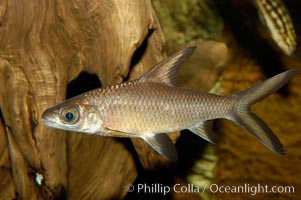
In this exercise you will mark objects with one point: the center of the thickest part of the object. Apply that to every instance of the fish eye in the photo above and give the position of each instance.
(69, 115)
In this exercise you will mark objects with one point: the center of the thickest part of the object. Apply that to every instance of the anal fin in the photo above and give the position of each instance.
(205, 131)
(162, 144)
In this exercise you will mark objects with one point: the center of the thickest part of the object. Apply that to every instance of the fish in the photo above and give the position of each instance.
(152, 106)
(276, 18)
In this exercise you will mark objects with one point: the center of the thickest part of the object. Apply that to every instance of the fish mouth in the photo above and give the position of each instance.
(49, 123)
(45, 116)
(49, 118)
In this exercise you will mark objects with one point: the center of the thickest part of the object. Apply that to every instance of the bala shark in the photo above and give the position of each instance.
(152, 105)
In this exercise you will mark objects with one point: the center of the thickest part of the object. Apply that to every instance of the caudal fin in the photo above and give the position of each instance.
(252, 123)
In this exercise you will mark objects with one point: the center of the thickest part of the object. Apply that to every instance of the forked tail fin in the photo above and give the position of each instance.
(252, 123)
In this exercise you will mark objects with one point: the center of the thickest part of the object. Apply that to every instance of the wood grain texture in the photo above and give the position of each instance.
(6, 183)
(43, 46)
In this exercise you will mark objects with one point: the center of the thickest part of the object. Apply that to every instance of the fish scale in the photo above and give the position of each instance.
(152, 105)
(183, 110)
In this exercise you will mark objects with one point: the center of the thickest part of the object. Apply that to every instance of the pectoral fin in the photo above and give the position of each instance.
(162, 144)
(115, 133)
(205, 131)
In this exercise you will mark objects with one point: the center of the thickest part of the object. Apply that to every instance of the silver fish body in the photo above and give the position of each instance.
(157, 108)
(152, 105)
(276, 18)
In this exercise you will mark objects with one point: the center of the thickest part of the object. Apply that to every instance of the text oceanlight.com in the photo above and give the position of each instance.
(158, 188)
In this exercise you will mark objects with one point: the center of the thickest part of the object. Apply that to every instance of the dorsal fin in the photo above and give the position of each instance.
(164, 71)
